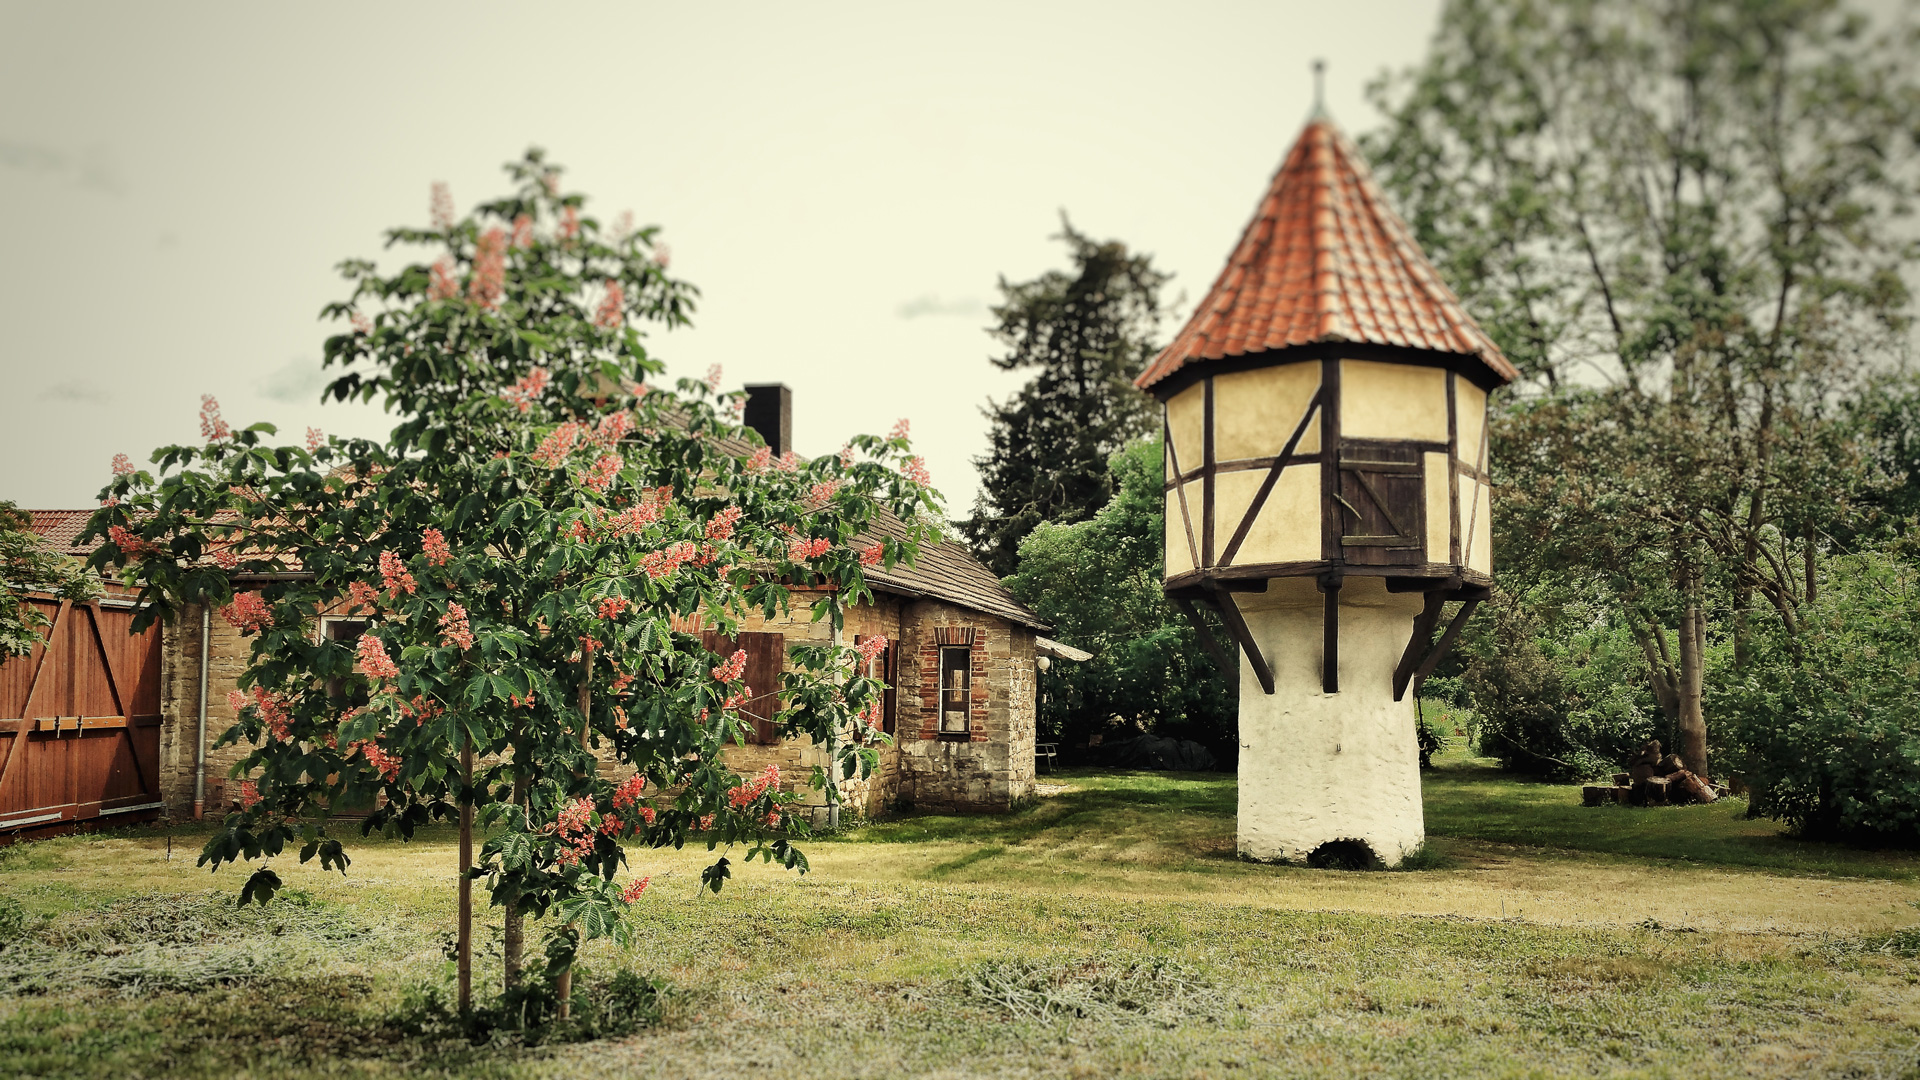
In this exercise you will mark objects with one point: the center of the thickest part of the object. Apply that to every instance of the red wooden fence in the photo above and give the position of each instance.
(80, 722)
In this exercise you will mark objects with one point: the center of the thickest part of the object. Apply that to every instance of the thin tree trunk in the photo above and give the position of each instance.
(563, 986)
(1660, 675)
(466, 880)
(1693, 721)
(1813, 585)
(513, 933)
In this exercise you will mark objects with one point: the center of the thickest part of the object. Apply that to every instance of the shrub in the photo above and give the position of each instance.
(1825, 724)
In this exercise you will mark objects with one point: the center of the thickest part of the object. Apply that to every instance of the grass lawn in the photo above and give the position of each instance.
(1107, 930)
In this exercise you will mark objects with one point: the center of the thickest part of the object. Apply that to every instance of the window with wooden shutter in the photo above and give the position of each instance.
(1382, 504)
(766, 659)
(345, 632)
(884, 667)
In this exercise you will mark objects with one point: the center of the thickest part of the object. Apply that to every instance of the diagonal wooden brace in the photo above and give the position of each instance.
(1445, 644)
(1417, 643)
(1237, 626)
(1221, 659)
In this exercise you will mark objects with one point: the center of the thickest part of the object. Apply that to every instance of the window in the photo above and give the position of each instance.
(882, 667)
(346, 632)
(956, 689)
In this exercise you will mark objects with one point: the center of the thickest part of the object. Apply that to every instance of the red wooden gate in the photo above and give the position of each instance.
(80, 722)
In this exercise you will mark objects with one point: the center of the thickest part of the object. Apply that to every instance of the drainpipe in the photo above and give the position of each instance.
(200, 740)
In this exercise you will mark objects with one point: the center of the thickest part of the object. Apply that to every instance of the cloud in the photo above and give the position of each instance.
(92, 169)
(76, 390)
(297, 382)
(929, 304)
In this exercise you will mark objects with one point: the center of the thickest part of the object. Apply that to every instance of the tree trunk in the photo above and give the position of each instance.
(1692, 721)
(513, 933)
(1813, 587)
(466, 880)
(563, 986)
(1660, 675)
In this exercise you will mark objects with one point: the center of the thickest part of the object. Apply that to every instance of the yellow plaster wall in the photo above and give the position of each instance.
(1254, 412)
(1186, 418)
(1179, 554)
(1439, 523)
(1470, 407)
(1288, 528)
(1392, 401)
(1480, 513)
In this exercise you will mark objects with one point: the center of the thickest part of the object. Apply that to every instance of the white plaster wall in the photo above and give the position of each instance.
(1316, 767)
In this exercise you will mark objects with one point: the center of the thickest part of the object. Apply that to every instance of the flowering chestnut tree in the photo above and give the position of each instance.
(529, 550)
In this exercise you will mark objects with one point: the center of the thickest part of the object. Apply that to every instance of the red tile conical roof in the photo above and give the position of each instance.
(1325, 260)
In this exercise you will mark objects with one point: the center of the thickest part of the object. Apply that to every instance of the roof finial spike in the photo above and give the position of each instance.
(1319, 89)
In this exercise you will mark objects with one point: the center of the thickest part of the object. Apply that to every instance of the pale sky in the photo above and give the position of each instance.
(843, 182)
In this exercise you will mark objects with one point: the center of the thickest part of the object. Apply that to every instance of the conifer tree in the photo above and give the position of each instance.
(1089, 330)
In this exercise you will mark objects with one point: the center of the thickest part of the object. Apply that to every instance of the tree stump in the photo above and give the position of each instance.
(1685, 787)
(1651, 791)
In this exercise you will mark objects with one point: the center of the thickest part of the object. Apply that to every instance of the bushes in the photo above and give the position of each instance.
(1825, 724)
(1556, 692)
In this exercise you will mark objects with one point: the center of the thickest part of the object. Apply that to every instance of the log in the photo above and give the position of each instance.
(1685, 787)
(1595, 795)
(1651, 791)
(1621, 778)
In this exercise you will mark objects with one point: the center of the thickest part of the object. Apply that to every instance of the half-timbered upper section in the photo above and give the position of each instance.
(1326, 406)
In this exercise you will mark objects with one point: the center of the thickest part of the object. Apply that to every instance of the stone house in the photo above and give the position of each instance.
(962, 659)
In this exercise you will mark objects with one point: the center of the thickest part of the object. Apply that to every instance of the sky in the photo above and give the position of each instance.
(845, 183)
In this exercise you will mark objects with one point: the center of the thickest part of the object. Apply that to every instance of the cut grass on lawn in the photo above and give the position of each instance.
(1106, 931)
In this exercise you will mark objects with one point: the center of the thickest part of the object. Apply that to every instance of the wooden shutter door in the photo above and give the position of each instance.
(1382, 504)
(766, 659)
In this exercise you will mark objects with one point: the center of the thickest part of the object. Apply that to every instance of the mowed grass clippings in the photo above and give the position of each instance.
(1043, 943)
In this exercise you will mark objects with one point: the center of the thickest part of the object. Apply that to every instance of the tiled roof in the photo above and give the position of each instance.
(1325, 260)
(61, 529)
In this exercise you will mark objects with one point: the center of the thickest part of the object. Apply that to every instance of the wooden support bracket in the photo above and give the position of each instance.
(1237, 626)
(1444, 645)
(1221, 659)
(1423, 625)
(1330, 635)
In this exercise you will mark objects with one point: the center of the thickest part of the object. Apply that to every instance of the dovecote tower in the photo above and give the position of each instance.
(1327, 494)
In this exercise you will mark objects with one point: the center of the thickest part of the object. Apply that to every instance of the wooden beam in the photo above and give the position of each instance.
(1207, 641)
(1230, 611)
(1330, 638)
(42, 652)
(1206, 477)
(1173, 458)
(1423, 625)
(1273, 477)
(120, 701)
(1331, 527)
(1445, 644)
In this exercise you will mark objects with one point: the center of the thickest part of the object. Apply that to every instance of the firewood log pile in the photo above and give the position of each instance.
(1653, 779)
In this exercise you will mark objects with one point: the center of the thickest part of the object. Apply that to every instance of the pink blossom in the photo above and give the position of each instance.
(440, 284)
(440, 206)
(605, 470)
(612, 428)
(900, 428)
(713, 377)
(662, 255)
(211, 425)
(846, 456)
(248, 613)
(122, 465)
(611, 607)
(557, 445)
(225, 559)
(632, 892)
(434, 543)
(130, 545)
(760, 459)
(373, 658)
(872, 714)
(272, 709)
(573, 827)
(799, 550)
(634, 518)
(628, 793)
(362, 597)
(872, 554)
(749, 791)
(821, 493)
(249, 795)
(733, 669)
(454, 631)
(789, 462)
(720, 526)
(612, 308)
(528, 390)
(569, 222)
(395, 575)
(660, 564)
(523, 231)
(916, 471)
(236, 700)
(387, 765)
(362, 324)
(315, 439)
(489, 284)
(872, 647)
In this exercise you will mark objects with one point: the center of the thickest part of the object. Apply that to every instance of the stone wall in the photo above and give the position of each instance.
(992, 765)
(180, 704)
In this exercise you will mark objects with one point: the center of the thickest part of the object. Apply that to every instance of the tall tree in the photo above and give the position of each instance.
(28, 565)
(1089, 331)
(1148, 664)
(524, 552)
(1674, 215)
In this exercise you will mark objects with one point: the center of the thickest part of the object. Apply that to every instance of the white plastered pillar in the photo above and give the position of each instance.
(1316, 767)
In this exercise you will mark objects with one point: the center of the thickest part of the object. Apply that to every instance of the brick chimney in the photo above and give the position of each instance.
(770, 412)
